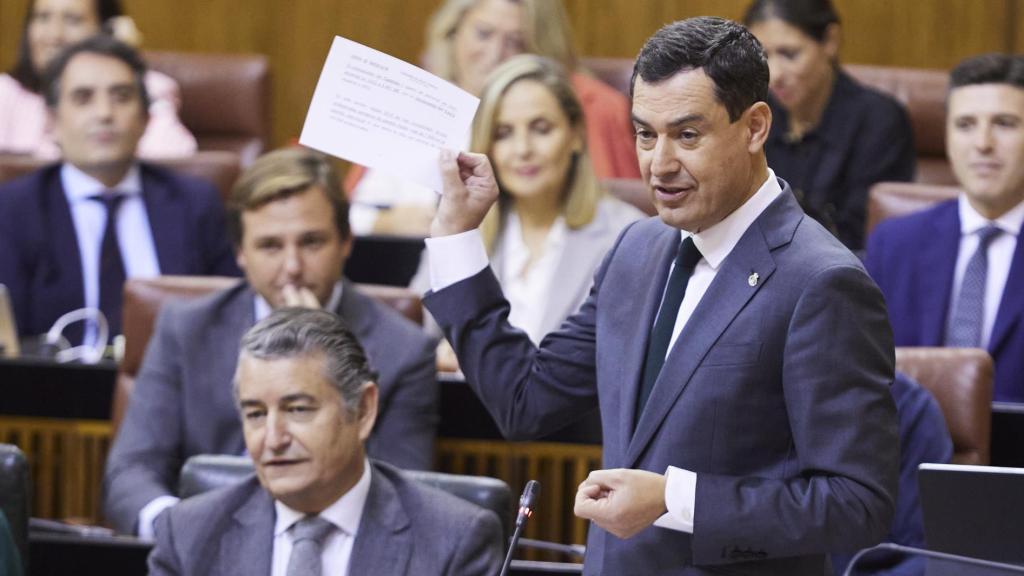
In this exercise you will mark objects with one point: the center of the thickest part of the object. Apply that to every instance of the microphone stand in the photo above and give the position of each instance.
(525, 511)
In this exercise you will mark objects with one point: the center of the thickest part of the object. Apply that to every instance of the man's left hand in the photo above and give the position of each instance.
(621, 501)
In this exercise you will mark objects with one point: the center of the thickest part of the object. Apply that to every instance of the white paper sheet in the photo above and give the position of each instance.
(386, 114)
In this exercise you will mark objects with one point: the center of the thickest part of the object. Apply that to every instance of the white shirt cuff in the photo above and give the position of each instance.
(455, 258)
(149, 512)
(680, 495)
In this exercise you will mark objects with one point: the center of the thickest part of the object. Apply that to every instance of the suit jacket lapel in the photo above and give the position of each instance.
(247, 546)
(934, 278)
(633, 335)
(384, 542)
(63, 265)
(1011, 305)
(725, 298)
(165, 214)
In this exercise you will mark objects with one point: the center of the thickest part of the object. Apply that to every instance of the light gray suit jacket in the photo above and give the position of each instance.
(406, 528)
(776, 394)
(183, 402)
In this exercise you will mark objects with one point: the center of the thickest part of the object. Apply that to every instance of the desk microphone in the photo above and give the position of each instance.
(526, 502)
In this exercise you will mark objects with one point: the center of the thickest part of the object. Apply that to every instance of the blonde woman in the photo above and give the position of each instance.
(552, 223)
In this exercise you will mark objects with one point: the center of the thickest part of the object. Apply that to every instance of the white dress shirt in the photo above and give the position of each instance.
(1000, 256)
(336, 549)
(459, 256)
(527, 288)
(152, 509)
(135, 237)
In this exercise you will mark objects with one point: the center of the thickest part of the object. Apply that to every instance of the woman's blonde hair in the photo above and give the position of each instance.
(581, 193)
(545, 29)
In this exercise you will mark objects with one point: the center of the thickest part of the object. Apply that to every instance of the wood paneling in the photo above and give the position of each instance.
(296, 35)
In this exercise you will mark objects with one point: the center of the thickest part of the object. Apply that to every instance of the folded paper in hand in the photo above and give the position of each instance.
(386, 114)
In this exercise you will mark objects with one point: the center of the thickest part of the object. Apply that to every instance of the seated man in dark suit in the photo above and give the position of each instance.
(317, 505)
(289, 220)
(58, 252)
(954, 275)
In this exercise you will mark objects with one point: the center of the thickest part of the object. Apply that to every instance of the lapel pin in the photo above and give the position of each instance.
(753, 278)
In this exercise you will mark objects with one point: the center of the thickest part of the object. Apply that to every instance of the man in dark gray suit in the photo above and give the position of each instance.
(740, 356)
(289, 221)
(317, 505)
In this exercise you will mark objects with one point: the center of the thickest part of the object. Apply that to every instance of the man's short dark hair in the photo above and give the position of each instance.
(989, 69)
(728, 53)
(299, 332)
(101, 45)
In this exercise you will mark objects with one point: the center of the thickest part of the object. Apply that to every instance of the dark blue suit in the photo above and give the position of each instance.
(776, 394)
(39, 255)
(913, 259)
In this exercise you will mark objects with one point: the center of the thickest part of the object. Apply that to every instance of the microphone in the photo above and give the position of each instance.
(526, 503)
(995, 567)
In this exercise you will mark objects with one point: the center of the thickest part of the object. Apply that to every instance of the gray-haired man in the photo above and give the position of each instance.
(317, 505)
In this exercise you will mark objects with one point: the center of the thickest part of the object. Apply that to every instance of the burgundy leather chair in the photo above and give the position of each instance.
(225, 99)
(960, 379)
(889, 199)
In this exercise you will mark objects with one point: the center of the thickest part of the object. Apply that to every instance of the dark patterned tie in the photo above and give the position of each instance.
(661, 334)
(112, 272)
(308, 536)
(964, 327)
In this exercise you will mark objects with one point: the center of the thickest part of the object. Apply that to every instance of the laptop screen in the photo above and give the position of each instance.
(975, 511)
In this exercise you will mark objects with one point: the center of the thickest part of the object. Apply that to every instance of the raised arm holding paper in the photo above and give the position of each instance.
(740, 356)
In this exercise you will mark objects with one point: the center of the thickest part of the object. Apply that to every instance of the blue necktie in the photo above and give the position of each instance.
(964, 327)
(112, 272)
(308, 536)
(657, 347)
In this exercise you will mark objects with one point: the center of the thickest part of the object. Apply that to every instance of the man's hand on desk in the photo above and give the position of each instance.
(621, 501)
(470, 190)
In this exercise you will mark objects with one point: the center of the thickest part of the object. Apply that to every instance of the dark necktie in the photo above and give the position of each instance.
(308, 536)
(112, 273)
(661, 335)
(964, 327)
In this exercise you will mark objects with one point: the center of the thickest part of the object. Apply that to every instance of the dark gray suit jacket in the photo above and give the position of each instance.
(776, 394)
(406, 528)
(183, 402)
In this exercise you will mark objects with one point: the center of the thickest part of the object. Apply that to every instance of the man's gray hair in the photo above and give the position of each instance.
(298, 332)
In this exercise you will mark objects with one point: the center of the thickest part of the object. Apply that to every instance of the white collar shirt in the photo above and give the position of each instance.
(336, 550)
(134, 234)
(715, 244)
(528, 286)
(1000, 256)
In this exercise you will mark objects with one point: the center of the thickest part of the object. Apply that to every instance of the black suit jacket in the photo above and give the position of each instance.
(39, 255)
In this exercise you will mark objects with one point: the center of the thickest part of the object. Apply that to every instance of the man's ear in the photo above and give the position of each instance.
(367, 414)
(831, 41)
(759, 123)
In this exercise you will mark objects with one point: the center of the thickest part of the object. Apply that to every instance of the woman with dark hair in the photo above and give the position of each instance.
(831, 138)
(52, 25)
